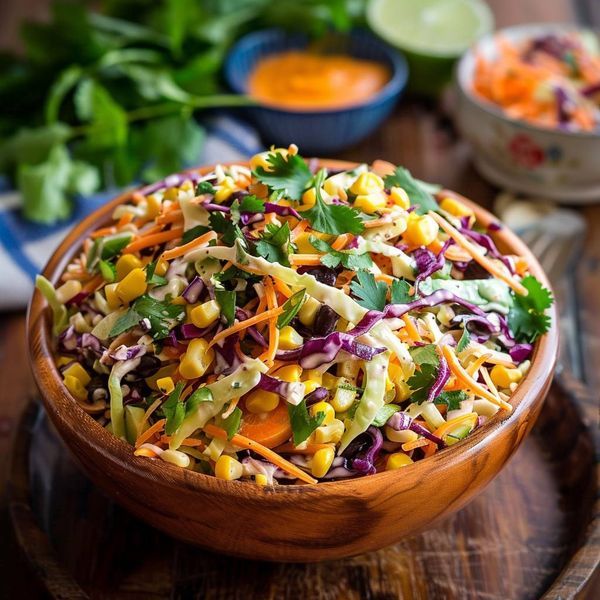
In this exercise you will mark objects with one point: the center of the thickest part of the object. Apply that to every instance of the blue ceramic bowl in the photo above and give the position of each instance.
(322, 131)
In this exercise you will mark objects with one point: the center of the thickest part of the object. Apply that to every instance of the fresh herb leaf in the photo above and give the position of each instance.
(151, 277)
(401, 292)
(335, 219)
(425, 355)
(205, 187)
(193, 233)
(234, 273)
(112, 245)
(371, 294)
(349, 259)
(174, 409)
(302, 423)
(384, 413)
(163, 315)
(287, 174)
(421, 382)
(226, 300)
(275, 244)
(252, 204)
(229, 230)
(290, 308)
(198, 396)
(419, 196)
(126, 321)
(451, 399)
(464, 341)
(107, 270)
(527, 318)
(232, 423)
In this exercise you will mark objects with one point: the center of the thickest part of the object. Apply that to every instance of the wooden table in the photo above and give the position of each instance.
(418, 136)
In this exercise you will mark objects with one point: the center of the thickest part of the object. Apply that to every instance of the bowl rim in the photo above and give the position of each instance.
(463, 80)
(62, 407)
(393, 87)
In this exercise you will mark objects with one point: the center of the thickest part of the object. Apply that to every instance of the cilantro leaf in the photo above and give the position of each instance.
(287, 174)
(384, 413)
(418, 194)
(401, 292)
(205, 187)
(151, 277)
(193, 233)
(232, 423)
(174, 409)
(335, 219)
(349, 259)
(252, 204)
(527, 318)
(451, 399)
(428, 362)
(371, 294)
(464, 341)
(425, 355)
(275, 245)
(302, 423)
(290, 308)
(231, 232)
(126, 321)
(198, 396)
(163, 315)
(226, 301)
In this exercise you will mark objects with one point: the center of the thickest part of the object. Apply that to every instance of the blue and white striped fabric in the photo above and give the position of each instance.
(26, 247)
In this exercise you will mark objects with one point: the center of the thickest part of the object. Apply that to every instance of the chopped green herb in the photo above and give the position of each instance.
(464, 341)
(291, 308)
(126, 321)
(252, 204)
(198, 396)
(349, 259)
(275, 244)
(108, 270)
(302, 423)
(193, 233)
(451, 399)
(288, 174)
(232, 423)
(205, 187)
(226, 301)
(425, 355)
(417, 192)
(231, 231)
(371, 294)
(527, 318)
(174, 409)
(152, 278)
(401, 292)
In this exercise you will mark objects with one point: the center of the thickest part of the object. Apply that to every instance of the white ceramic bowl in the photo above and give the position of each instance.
(517, 155)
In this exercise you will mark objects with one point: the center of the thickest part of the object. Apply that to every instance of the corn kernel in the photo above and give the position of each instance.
(261, 479)
(344, 396)
(309, 198)
(227, 187)
(162, 266)
(68, 290)
(153, 206)
(421, 230)
(313, 375)
(329, 381)
(261, 401)
(196, 359)
(165, 371)
(110, 291)
(180, 301)
(289, 373)
(131, 286)
(308, 313)
(310, 386)
(205, 314)
(321, 462)
(186, 186)
(403, 436)
(455, 207)
(77, 371)
(171, 193)
(228, 468)
(370, 203)
(326, 434)
(126, 264)
(289, 338)
(303, 244)
(503, 377)
(326, 408)
(367, 183)
(399, 197)
(75, 387)
(165, 385)
(398, 460)
(61, 361)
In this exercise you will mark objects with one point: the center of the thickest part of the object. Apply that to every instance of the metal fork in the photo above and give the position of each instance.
(555, 236)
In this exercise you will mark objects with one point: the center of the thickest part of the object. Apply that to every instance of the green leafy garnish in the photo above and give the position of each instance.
(205, 187)
(252, 204)
(335, 219)
(108, 270)
(384, 413)
(174, 409)
(527, 318)
(425, 355)
(451, 399)
(226, 301)
(371, 294)
(289, 175)
(275, 244)
(231, 231)
(401, 292)
(197, 397)
(290, 308)
(418, 194)
(152, 278)
(232, 423)
(302, 423)
(193, 233)
(428, 362)
(349, 259)
(126, 321)
(465, 338)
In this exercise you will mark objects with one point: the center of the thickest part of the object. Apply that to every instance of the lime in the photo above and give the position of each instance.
(443, 28)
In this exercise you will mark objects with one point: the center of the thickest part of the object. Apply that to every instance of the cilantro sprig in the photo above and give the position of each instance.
(349, 259)
(417, 191)
(303, 424)
(291, 308)
(275, 245)
(527, 318)
(289, 175)
(372, 294)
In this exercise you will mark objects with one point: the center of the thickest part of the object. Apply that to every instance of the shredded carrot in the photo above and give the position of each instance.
(150, 432)
(243, 442)
(408, 446)
(305, 259)
(282, 287)
(377, 222)
(430, 449)
(478, 255)
(145, 452)
(125, 220)
(102, 232)
(169, 217)
(232, 406)
(299, 229)
(412, 331)
(258, 318)
(200, 241)
(474, 366)
(273, 331)
(383, 277)
(442, 430)
(92, 284)
(193, 442)
(154, 239)
(341, 241)
(457, 369)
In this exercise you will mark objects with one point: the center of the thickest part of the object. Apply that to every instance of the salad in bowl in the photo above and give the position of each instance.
(279, 323)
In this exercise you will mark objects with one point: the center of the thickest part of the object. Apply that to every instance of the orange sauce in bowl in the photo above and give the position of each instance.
(301, 80)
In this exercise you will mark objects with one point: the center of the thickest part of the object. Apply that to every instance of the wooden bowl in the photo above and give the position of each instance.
(287, 522)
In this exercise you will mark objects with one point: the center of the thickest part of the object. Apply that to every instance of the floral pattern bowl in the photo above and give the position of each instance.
(519, 156)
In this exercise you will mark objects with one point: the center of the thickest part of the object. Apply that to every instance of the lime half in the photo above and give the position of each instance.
(444, 28)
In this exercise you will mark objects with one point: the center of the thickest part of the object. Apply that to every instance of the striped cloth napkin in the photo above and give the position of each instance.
(26, 247)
